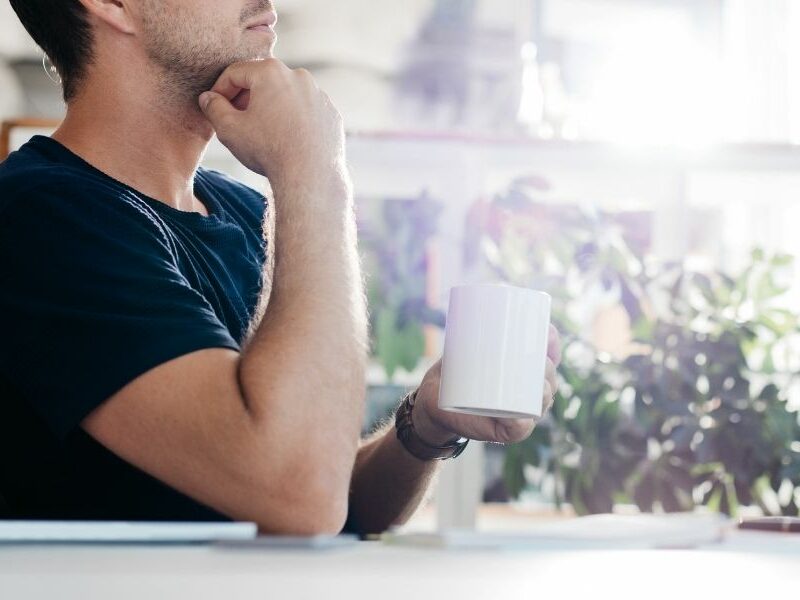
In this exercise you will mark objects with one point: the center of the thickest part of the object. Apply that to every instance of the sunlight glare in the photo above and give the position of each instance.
(660, 89)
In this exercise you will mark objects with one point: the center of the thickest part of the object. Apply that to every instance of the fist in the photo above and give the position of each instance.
(275, 120)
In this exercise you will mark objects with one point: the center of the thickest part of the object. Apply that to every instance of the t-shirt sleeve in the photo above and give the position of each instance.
(91, 297)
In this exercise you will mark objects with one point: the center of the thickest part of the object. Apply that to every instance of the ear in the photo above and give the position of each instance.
(114, 13)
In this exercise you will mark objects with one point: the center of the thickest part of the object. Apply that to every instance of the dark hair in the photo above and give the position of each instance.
(62, 29)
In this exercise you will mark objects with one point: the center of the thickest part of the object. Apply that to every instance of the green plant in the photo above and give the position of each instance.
(395, 242)
(711, 392)
(697, 413)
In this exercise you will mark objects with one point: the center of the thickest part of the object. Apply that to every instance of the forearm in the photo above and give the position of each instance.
(388, 484)
(302, 372)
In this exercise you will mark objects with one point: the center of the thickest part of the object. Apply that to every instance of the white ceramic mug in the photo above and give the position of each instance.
(495, 351)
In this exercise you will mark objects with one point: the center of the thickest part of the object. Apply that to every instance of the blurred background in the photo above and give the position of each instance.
(638, 160)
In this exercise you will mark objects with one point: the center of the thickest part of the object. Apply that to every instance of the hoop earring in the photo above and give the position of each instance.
(50, 70)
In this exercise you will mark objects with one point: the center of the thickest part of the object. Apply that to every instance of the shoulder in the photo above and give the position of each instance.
(25, 170)
(38, 165)
(66, 204)
(227, 184)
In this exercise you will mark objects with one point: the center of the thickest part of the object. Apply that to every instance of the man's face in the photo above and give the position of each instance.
(193, 41)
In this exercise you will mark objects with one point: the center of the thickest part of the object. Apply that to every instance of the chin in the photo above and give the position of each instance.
(263, 55)
(259, 52)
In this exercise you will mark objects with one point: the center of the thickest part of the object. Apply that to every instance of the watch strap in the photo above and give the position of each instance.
(416, 446)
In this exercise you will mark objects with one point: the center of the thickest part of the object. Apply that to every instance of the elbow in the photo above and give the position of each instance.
(326, 506)
(314, 506)
(318, 519)
(308, 521)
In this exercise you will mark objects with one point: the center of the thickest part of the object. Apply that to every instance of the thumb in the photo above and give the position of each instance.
(215, 106)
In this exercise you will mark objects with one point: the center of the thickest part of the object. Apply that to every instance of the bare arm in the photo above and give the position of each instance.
(270, 435)
(389, 484)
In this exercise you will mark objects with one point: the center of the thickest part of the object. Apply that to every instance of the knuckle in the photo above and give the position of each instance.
(228, 70)
(254, 70)
(237, 67)
(270, 63)
(305, 77)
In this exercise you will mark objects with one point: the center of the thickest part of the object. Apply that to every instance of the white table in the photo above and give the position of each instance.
(752, 566)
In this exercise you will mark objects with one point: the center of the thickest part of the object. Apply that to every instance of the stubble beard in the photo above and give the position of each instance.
(190, 57)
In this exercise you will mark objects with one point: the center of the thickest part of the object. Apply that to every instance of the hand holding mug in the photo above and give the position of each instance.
(498, 373)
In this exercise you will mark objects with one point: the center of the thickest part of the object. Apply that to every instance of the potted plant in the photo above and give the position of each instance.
(695, 412)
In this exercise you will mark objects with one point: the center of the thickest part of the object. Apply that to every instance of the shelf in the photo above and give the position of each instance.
(739, 156)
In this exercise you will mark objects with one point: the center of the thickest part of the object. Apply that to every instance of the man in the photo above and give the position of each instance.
(155, 364)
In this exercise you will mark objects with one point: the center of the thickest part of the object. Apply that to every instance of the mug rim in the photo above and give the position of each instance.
(499, 286)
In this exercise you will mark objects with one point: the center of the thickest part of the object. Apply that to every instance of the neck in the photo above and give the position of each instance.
(137, 136)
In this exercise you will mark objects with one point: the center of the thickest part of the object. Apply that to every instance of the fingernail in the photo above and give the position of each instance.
(205, 97)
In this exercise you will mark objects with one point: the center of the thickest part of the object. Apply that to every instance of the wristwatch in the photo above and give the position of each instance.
(413, 443)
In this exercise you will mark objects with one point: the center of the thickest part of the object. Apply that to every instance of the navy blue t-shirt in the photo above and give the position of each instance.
(98, 285)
